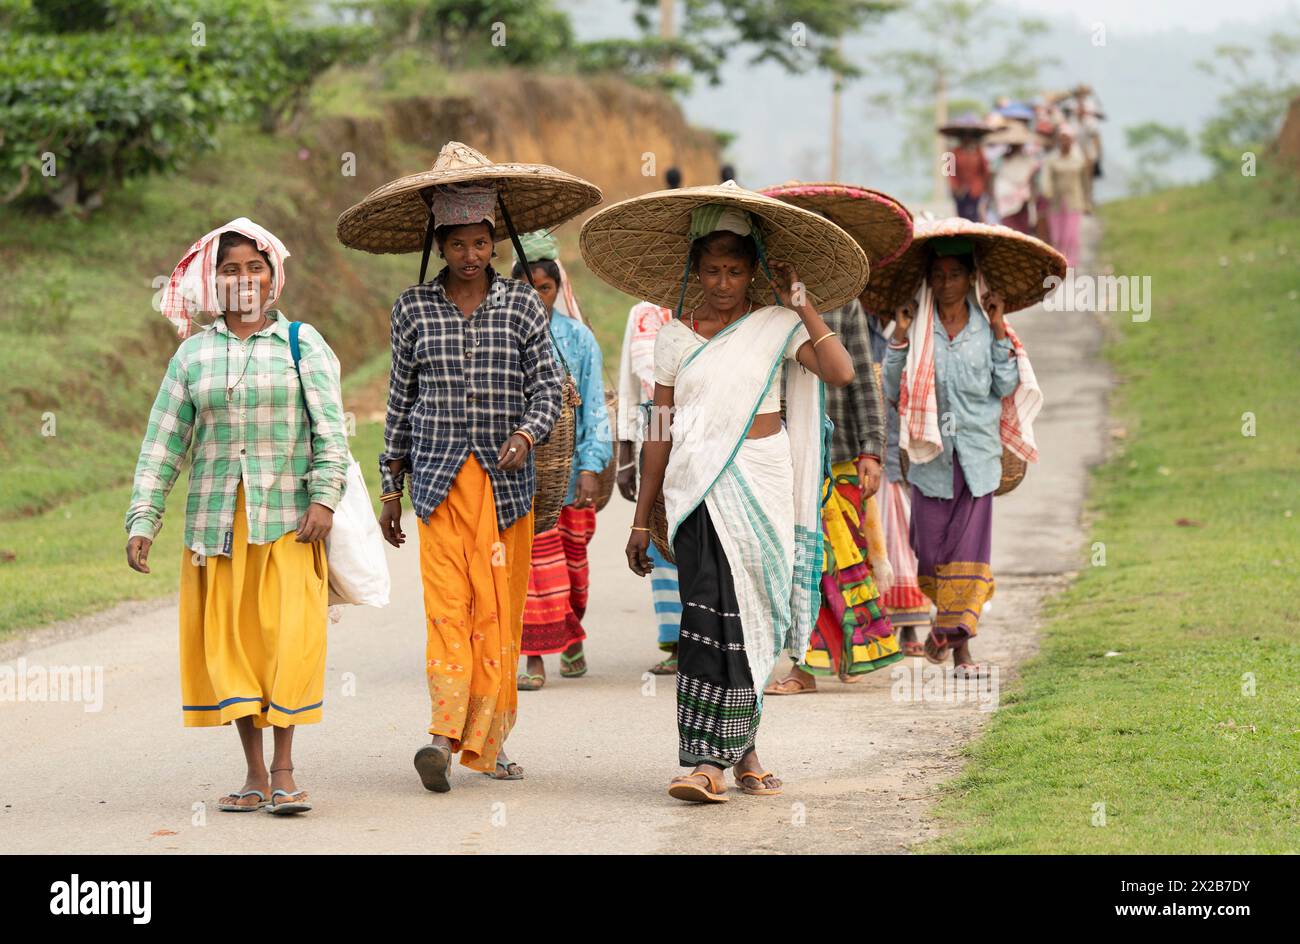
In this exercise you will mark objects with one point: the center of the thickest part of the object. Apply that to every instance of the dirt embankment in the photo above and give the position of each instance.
(1288, 139)
(620, 137)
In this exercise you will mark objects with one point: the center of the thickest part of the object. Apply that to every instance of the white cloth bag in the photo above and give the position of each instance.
(358, 566)
(354, 548)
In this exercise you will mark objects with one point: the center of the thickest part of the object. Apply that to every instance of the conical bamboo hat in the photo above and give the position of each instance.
(393, 218)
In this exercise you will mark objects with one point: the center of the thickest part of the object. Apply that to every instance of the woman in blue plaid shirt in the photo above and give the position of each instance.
(474, 386)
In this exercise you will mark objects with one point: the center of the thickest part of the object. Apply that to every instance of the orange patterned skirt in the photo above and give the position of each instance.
(475, 581)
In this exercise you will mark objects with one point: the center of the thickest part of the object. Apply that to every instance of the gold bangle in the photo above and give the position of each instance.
(828, 334)
(531, 444)
(635, 528)
(394, 496)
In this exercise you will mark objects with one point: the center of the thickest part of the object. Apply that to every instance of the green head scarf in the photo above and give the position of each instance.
(538, 245)
(712, 217)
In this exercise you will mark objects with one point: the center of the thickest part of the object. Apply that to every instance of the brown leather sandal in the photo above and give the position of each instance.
(688, 787)
(782, 686)
(936, 649)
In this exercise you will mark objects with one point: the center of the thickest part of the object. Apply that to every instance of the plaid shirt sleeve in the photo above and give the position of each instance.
(319, 370)
(867, 404)
(402, 390)
(542, 374)
(166, 443)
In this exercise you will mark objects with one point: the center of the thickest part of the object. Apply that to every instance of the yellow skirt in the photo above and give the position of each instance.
(253, 631)
(475, 586)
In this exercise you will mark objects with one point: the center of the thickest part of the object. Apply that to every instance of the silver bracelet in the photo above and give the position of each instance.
(623, 468)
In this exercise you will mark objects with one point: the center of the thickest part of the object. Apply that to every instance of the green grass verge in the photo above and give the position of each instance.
(1189, 735)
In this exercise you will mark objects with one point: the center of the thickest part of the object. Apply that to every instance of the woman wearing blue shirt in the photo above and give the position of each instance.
(559, 579)
(974, 367)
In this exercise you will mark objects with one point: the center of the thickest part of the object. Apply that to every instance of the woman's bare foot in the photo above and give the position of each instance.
(255, 780)
(668, 666)
(704, 784)
(282, 779)
(761, 781)
(796, 682)
(573, 663)
(964, 663)
(506, 769)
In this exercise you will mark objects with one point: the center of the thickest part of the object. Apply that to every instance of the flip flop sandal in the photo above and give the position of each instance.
(508, 774)
(759, 777)
(568, 661)
(687, 787)
(289, 806)
(913, 648)
(935, 651)
(666, 667)
(803, 687)
(529, 683)
(240, 807)
(432, 763)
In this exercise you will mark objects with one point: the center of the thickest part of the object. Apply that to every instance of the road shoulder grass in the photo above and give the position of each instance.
(1162, 713)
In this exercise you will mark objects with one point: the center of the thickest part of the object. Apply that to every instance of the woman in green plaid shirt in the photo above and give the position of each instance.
(265, 478)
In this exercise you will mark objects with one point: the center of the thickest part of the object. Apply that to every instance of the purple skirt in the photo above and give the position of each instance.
(952, 538)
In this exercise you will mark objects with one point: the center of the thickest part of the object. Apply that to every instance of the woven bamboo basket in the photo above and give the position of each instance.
(1013, 470)
(659, 528)
(553, 459)
(606, 477)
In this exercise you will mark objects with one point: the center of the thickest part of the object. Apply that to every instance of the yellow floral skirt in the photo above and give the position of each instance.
(252, 631)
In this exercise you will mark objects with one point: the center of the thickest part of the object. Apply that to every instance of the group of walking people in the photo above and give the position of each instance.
(1029, 165)
(791, 350)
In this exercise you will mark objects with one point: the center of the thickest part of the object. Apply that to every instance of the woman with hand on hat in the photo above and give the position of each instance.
(559, 576)
(960, 363)
(269, 461)
(742, 490)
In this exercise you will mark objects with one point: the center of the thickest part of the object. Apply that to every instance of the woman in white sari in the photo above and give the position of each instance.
(741, 489)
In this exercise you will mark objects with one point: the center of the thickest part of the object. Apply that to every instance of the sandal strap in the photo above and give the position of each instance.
(248, 793)
(286, 793)
(716, 786)
(760, 776)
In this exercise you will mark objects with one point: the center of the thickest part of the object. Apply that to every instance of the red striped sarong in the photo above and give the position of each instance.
(904, 601)
(558, 584)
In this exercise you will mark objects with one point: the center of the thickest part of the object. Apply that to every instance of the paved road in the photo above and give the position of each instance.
(862, 767)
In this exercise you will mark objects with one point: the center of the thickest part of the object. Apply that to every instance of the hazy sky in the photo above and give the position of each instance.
(1147, 70)
(1142, 15)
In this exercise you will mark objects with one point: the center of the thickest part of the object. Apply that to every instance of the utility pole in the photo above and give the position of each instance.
(940, 119)
(667, 30)
(837, 88)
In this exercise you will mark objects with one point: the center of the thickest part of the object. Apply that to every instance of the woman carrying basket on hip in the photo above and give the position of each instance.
(966, 395)
(475, 386)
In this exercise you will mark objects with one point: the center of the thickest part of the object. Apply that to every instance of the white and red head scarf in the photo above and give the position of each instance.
(918, 404)
(192, 287)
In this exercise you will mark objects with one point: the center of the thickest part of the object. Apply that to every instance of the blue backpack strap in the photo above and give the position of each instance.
(296, 351)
